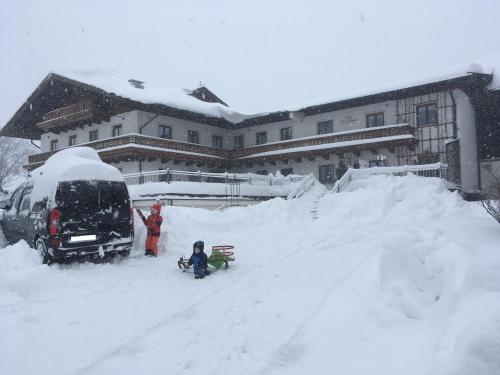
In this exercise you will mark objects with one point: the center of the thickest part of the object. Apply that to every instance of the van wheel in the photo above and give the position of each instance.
(42, 249)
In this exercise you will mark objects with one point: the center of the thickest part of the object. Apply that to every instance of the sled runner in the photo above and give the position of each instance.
(221, 256)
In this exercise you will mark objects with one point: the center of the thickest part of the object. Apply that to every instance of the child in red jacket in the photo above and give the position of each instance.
(152, 223)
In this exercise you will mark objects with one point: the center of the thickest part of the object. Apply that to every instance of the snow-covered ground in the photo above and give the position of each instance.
(396, 276)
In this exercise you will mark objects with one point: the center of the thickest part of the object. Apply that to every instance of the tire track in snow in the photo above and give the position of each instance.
(133, 340)
(282, 351)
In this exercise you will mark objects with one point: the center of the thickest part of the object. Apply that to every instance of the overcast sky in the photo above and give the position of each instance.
(256, 55)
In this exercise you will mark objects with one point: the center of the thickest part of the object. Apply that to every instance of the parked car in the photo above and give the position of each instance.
(83, 214)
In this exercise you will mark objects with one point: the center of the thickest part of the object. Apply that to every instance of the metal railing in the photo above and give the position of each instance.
(171, 175)
(439, 170)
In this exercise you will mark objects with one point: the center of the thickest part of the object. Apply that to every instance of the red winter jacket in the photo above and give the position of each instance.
(153, 222)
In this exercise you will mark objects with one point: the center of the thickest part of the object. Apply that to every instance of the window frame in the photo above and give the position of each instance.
(53, 143)
(321, 174)
(286, 133)
(118, 127)
(261, 136)
(72, 140)
(193, 136)
(286, 171)
(426, 120)
(319, 125)
(161, 133)
(237, 144)
(91, 132)
(376, 116)
(216, 141)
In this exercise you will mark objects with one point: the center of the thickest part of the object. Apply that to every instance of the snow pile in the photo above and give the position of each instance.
(396, 276)
(76, 163)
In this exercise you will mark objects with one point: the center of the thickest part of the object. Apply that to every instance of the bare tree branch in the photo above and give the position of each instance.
(13, 154)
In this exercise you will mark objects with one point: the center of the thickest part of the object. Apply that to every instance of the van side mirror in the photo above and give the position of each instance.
(4, 205)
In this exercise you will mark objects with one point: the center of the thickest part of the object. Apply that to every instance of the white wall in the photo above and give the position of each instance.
(489, 170)
(306, 126)
(466, 124)
(128, 121)
(180, 128)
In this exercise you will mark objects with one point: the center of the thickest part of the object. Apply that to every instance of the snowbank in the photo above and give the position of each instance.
(396, 276)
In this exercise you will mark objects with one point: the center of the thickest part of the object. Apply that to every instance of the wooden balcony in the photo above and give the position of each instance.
(150, 145)
(136, 144)
(356, 136)
(62, 116)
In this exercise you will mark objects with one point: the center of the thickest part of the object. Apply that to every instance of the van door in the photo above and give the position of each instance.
(26, 221)
(78, 203)
(114, 215)
(11, 222)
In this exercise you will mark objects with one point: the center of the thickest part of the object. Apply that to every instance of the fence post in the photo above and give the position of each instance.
(168, 176)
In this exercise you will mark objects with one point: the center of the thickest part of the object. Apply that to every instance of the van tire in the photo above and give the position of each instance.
(124, 253)
(40, 246)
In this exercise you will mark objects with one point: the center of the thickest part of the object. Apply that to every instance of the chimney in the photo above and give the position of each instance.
(137, 84)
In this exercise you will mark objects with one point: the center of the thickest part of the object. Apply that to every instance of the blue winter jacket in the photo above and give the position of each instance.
(200, 258)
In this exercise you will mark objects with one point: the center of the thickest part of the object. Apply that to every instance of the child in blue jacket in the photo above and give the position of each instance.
(199, 261)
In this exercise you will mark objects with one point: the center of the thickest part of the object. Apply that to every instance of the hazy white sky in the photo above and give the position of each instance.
(256, 55)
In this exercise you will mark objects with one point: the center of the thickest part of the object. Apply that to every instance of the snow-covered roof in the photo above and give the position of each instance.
(485, 65)
(115, 82)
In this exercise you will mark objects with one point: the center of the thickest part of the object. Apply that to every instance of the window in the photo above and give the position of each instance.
(377, 163)
(93, 135)
(374, 119)
(217, 141)
(427, 114)
(165, 131)
(262, 172)
(261, 138)
(327, 174)
(193, 137)
(53, 145)
(286, 171)
(285, 134)
(325, 127)
(428, 158)
(26, 200)
(239, 141)
(117, 131)
(72, 140)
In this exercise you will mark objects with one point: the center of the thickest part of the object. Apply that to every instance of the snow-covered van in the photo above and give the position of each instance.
(73, 207)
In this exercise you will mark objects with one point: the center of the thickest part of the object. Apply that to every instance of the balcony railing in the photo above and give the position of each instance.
(167, 145)
(151, 143)
(61, 116)
(354, 135)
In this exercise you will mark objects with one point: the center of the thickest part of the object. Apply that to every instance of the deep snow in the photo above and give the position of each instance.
(395, 276)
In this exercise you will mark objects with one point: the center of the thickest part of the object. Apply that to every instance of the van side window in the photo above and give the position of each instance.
(26, 200)
(16, 199)
(40, 205)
